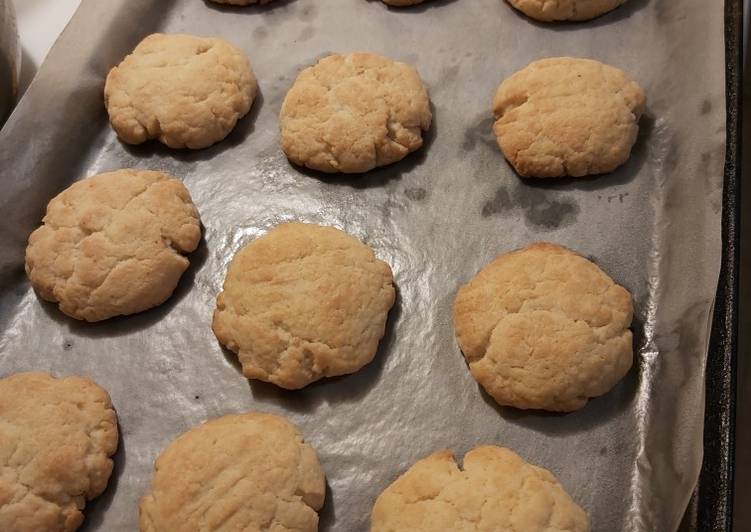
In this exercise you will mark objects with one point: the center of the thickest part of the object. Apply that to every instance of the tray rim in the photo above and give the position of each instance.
(713, 497)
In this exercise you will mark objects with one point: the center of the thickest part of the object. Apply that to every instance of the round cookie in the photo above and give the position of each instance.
(112, 244)
(185, 91)
(565, 10)
(495, 490)
(303, 302)
(542, 327)
(238, 472)
(567, 117)
(350, 113)
(56, 440)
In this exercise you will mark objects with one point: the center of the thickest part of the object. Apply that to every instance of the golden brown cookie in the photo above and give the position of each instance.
(303, 302)
(565, 116)
(185, 91)
(494, 490)
(237, 472)
(56, 440)
(542, 327)
(560, 10)
(350, 113)
(113, 244)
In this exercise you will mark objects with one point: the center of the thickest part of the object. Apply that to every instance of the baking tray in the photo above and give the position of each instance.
(711, 507)
(165, 371)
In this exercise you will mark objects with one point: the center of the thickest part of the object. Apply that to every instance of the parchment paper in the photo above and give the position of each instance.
(631, 458)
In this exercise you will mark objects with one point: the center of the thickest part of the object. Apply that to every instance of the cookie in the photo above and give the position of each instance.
(564, 10)
(303, 302)
(185, 91)
(56, 440)
(567, 117)
(495, 490)
(350, 113)
(112, 244)
(238, 472)
(542, 327)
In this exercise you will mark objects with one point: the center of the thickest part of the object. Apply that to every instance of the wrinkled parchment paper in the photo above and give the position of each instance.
(631, 458)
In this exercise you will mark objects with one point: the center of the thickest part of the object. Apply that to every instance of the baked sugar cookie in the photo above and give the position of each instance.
(542, 327)
(237, 472)
(561, 10)
(113, 244)
(567, 117)
(303, 302)
(185, 91)
(350, 113)
(57, 437)
(494, 490)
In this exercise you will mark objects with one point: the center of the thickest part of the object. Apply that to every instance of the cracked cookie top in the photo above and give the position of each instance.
(303, 302)
(542, 327)
(350, 113)
(560, 10)
(185, 91)
(238, 472)
(495, 490)
(112, 244)
(567, 117)
(56, 440)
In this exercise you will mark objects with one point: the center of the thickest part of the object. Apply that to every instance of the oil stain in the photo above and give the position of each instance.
(539, 210)
(480, 134)
(307, 13)
(416, 193)
(260, 33)
(669, 12)
(709, 166)
(673, 156)
(449, 74)
(306, 34)
(706, 159)
(706, 107)
(388, 207)
(684, 341)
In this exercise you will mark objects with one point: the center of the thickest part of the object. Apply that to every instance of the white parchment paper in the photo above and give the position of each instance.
(631, 458)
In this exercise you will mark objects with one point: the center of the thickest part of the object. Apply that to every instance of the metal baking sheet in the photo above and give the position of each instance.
(711, 507)
(631, 458)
